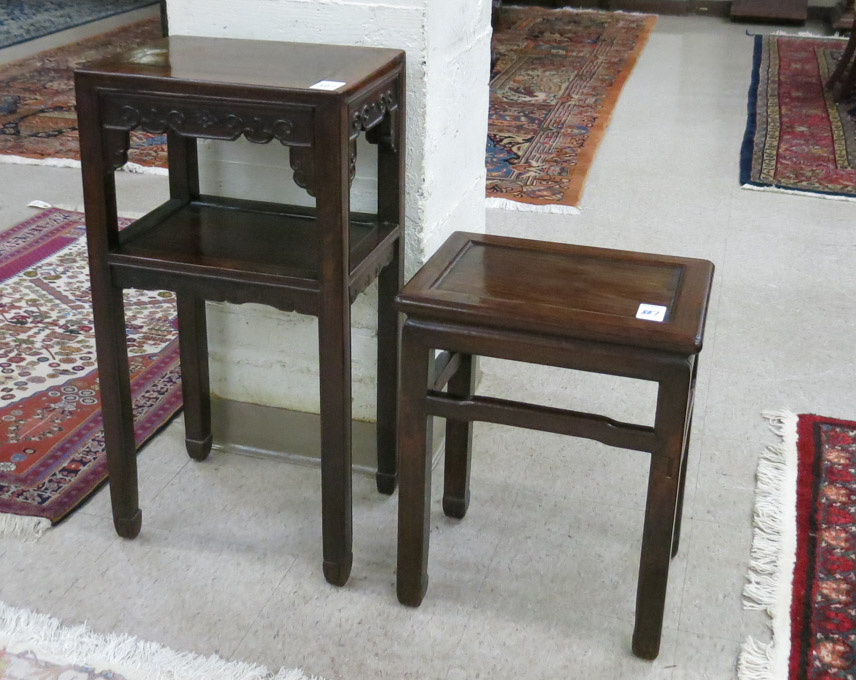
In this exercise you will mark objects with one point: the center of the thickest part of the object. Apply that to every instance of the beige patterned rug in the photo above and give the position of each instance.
(38, 119)
(555, 82)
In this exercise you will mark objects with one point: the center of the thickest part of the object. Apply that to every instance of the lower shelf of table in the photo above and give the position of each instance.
(236, 239)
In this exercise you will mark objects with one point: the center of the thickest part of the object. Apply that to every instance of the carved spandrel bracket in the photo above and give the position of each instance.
(116, 145)
(368, 113)
(352, 161)
(302, 161)
(384, 134)
(210, 119)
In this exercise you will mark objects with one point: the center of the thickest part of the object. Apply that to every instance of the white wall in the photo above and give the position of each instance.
(268, 357)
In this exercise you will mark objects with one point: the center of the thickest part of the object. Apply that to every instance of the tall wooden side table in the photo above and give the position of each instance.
(314, 99)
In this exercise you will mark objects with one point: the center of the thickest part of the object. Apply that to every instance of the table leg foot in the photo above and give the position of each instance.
(386, 482)
(198, 449)
(456, 507)
(129, 527)
(412, 592)
(646, 646)
(337, 573)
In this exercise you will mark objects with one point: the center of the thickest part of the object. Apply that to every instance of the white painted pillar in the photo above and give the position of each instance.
(263, 356)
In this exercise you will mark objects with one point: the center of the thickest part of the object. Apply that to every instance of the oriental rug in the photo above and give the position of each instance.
(22, 20)
(555, 81)
(798, 138)
(38, 121)
(51, 439)
(804, 552)
(37, 647)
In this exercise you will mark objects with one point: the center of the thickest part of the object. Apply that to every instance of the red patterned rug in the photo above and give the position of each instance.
(555, 81)
(804, 552)
(37, 109)
(51, 439)
(797, 137)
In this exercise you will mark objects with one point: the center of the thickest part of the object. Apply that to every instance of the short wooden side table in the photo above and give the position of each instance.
(613, 312)
(314, 99)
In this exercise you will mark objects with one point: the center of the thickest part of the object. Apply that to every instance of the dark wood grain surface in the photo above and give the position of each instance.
(579, 292)
(252, 63)
(249, 236)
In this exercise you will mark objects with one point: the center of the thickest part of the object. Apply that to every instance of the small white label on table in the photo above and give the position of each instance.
(328, 85)
(651, 312)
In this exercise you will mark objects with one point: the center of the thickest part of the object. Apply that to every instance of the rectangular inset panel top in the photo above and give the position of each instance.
(557, 289)
(251, 63)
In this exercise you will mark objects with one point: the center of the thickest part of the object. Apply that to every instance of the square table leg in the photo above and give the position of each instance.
(391, 170)
(663, 488)
(332, 186)
(99, 190)
(192, 325)
(676, 532)
(195, 391)
(388, 331)
(459, 444)
(414, 503)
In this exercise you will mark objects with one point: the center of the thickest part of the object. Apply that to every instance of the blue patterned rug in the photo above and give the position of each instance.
(22, 20)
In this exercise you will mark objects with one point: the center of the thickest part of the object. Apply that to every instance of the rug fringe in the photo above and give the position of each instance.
(137, 169)
(579, 10)
(784, 424)
(797, 34)
(134, 168)
(44, 205)
(804, 34)
(53, 162)
(797, 192)
(23, 630)
(508, 204)
(773, 551)
(22, 526)
(756, 661)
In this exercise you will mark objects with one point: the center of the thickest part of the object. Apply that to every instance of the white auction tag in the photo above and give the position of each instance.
(328, 85)
(651, 312)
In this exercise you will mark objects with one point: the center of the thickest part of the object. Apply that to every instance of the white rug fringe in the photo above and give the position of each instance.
(41, 205)
(756, 661)
(138, 169)
(580, 10)
(795, 192)
(22, 630)
(44, 205)
(53, 162)
(507, 204)
(134, 168)
(773, 552)
(20, 526)
(805, 34)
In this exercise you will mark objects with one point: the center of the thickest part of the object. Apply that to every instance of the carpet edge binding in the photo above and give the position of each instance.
(24, 630)
(773, 553)
(797, 192)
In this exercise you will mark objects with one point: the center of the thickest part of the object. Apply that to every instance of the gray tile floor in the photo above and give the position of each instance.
(539, 580)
